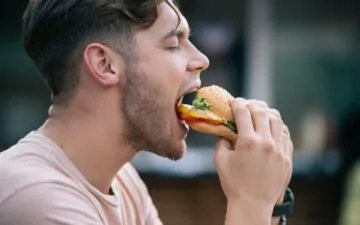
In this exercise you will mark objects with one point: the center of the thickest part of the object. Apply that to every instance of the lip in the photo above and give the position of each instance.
(184, 125)
(192, 88)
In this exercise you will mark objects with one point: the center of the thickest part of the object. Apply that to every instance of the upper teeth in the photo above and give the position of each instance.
(180, 101)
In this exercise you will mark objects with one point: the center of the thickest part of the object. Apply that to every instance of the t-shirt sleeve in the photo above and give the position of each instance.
(48, 203)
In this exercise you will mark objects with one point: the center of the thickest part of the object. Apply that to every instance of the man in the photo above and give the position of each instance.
(116, 69)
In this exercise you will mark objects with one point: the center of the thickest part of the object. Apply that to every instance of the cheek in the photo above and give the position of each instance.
(169, 67)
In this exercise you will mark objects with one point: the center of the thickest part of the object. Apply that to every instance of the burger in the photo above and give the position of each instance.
(210, 113)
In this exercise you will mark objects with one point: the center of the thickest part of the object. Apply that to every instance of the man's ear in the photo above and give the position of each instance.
(104, 64)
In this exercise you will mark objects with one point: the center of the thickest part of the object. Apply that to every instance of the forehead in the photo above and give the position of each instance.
(168, 19)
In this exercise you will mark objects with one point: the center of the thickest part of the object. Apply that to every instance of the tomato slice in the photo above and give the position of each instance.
(202, 115)
(191, 119)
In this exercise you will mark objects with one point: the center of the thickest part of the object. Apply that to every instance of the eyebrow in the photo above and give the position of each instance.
(177, 33)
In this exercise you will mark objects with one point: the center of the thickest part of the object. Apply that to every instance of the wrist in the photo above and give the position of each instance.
(252, 211)
(276, 219)
(281, 199)
(285, 207)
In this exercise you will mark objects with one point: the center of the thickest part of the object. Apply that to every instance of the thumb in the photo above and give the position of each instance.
(223, 150)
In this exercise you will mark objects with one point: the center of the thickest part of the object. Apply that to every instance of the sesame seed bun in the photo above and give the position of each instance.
(218, 130)
(219, 99)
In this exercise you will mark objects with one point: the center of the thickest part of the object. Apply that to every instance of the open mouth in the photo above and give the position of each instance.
(184, 99)
(187, 98)
(179, 101)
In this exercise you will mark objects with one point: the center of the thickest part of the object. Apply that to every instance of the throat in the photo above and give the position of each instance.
(97, 156)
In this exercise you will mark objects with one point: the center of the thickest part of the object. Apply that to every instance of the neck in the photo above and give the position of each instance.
(92, 143)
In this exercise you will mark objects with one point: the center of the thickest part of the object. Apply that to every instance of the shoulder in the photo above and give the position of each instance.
(22, 166)
(50, 203)
(36, 191)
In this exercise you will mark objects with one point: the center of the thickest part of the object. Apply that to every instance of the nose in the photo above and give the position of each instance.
(199, 62)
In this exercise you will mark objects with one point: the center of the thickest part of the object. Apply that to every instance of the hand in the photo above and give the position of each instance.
(287, 143)
(259, 167)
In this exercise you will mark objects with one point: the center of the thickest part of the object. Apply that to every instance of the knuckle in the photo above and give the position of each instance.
(268, 146)
(275, 112)
(291, 147)
(239, 100)
(259, 112)
(241, 110)
(262, 103)
(277, 120)
(288, 149)
(286, 130)
(249, 142)
(257, 103)
(287, 163)
(237, 105)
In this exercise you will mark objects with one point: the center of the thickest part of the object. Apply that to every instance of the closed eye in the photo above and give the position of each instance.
(174, 48)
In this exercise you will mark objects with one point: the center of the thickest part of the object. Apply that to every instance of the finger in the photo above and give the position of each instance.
(260, 120)
(257, 102)
(288, 146)
(274, 112)
(223, 143)
(242, 118)
(288, 151)
(287, 131)
(271, 111)
(264, 105)
(277, 131)
(223, 150)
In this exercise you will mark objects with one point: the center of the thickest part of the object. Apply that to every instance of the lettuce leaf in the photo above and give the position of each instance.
(201, 103)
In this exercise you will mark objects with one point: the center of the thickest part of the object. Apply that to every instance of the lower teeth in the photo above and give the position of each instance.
(180, 101)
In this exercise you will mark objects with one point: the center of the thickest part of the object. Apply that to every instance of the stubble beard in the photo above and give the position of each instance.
(146, 116)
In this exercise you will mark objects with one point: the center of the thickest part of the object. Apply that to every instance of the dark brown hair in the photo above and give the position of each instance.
(55, 32)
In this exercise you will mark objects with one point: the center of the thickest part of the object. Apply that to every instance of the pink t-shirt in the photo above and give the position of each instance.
(39, 185)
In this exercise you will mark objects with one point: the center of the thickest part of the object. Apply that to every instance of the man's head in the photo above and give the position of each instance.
(136, 52)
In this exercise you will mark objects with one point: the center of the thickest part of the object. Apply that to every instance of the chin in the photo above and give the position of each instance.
(180, 151)
(173, 152)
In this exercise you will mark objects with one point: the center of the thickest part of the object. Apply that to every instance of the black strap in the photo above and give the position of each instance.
(282, 220)
(282, 209)
(286, 207)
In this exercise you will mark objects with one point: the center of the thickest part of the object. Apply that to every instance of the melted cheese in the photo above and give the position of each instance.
(197, 113)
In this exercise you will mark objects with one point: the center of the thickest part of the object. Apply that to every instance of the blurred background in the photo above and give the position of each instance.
(302, 57)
